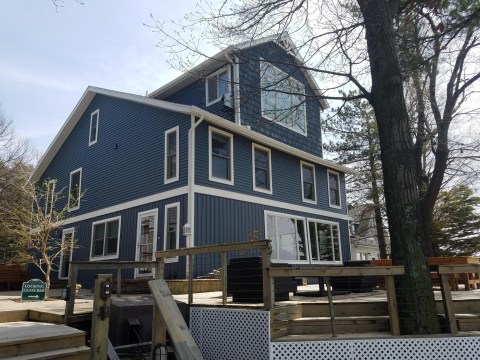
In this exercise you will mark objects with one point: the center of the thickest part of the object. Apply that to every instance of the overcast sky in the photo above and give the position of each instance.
(49, 56)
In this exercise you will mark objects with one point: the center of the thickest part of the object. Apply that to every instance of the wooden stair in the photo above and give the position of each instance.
(37, 340)
(314, 319)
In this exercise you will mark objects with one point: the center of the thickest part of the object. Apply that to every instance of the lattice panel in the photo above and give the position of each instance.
(223, 334)
(444, 348)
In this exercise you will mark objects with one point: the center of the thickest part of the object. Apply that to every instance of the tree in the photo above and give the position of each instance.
(36, 228)
(356, 143)
(356, 45)
(456, 224)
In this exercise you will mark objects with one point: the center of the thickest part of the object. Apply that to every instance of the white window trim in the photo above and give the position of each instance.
(165, 228)
(49, 197)
(339, 189)
(176, 129)
(210, 176)
(269, 152)
(262, 102)
(79, 189)
(153, 212)
(305, 231)
(310, 201)
(90, 142)
(336, 262)
(215, 74)
(60, 267)
(107, 257)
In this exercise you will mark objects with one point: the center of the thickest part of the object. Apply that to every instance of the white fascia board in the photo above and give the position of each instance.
(267, 141)
(80, 108)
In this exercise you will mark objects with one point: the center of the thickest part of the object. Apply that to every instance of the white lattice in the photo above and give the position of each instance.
(443, 348)
(224, 334)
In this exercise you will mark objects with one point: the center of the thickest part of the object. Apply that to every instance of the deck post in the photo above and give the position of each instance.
(159, 329)
(190, 279)
(268, 284)
(332, 309)
(72, 284)
(101, 317)
(119, 282)
(224, 278)
(448, 303)
(392, 305)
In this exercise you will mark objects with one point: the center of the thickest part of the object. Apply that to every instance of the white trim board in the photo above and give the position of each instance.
(130, 204)
(267, 202)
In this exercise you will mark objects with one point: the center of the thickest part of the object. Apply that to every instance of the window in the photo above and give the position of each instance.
(49, 197)
(172, 234)
(218, 84)
(221, 156)
(105, 239)
(171, 155)
(324, 241)
(262, 169)
(309, 193)
(288, 237)
(74, 190)
(66, 252)
(283, 98)
(93, 128)
(333, 189)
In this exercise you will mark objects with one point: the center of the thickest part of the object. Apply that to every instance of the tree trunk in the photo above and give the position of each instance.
(416, 304)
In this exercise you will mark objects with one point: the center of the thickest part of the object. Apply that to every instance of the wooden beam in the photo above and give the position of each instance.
(336, 271)
(331, 307)
(185, 346)
(448, 303)
(224, 277)
(159, 330)
(392, 305)
(456, 269)
(100, 319)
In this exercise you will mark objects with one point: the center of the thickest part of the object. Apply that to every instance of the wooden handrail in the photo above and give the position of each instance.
(337, 271)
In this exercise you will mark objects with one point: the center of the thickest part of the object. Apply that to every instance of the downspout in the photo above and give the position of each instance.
(191, 183)
(236, 87)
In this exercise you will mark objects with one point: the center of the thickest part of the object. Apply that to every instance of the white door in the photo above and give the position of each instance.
(66, 253)
(146, 241)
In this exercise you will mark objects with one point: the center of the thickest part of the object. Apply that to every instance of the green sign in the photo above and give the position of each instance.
(33, 290)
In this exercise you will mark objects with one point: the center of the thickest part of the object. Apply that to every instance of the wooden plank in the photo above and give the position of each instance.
(331, 307)
(440, 260)
(100, 324)
(72, 283)
(268, 284)
(448, 303)
(336, 271)
(112, 354)
(247, 245)
(392, 306)
(190, 280)
(224, 278)
(159, 330)
(456, 269)
(185, 346)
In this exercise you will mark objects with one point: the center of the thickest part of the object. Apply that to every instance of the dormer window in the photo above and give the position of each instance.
(283, 98)
(217, 85)
(93, 128)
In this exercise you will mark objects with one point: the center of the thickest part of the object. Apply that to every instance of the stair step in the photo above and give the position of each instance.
(77, 353)
(27, 337)
(350, 324)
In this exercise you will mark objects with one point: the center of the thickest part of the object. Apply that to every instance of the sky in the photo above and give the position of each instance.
(50, 55)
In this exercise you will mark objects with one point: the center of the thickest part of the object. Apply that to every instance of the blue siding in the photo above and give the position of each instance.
(219, 220)
(127, 162)
(128, 238)
(286, 173)
(251, 98)
(195, 94)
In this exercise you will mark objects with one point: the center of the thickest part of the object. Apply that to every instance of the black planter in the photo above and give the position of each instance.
(356, 284)
(245, 281)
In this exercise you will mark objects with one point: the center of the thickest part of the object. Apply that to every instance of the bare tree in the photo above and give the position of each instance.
(355, 45)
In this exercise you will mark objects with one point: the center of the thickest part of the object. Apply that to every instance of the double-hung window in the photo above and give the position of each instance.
(217, 85)
(74, 191)
(283, 98)
(262, 169)
(334, 189)
(94, 117)
(172, 230)
(49, 197)
(105, 239)
(220, 156)
(171, 155)
(309, 193)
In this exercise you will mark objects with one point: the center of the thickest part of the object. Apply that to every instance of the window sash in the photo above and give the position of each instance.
(221, 157)
(334, 189)
(288, 237)
(105, 238)
(172, 155)
(74, 190)
(262, 169)
(217, 86)
(308, 178)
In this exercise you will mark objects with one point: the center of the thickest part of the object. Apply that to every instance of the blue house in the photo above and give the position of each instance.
(231, 149)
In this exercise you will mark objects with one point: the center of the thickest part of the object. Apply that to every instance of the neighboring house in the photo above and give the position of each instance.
(227, 150)
(363, 233)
